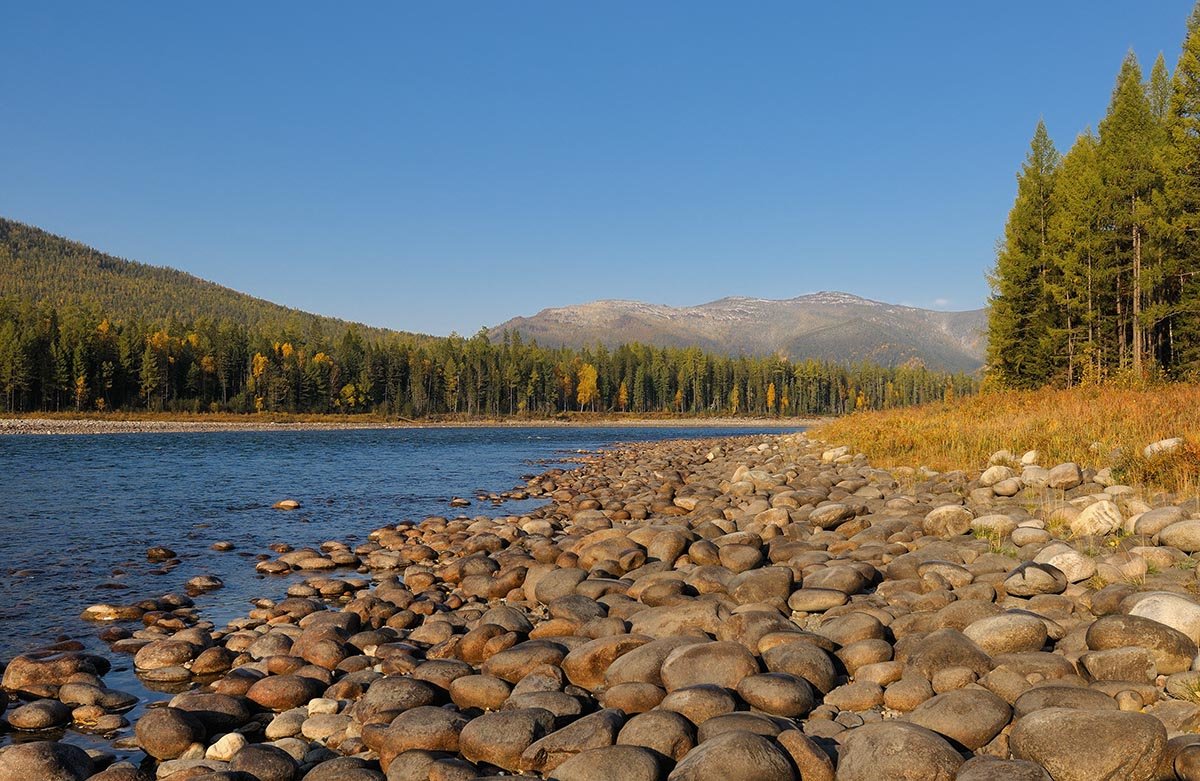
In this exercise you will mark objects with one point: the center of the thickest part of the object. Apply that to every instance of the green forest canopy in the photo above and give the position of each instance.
(80, 330)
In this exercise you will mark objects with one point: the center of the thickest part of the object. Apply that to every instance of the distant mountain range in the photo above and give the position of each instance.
(829, 326)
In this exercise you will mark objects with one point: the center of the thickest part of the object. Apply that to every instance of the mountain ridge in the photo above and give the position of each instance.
(827, 325)
(39, 266)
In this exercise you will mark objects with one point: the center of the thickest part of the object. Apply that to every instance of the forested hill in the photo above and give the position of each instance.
(40, 267)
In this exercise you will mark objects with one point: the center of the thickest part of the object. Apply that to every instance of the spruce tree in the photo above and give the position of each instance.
(1020, 321)
(1181, 201)
(1127, 147)
(1077, 239)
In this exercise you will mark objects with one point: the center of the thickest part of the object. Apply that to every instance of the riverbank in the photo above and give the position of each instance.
(164, 424)
(766, 607)
(1098, 426)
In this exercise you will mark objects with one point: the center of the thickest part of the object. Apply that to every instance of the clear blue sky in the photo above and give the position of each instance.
(436, 166)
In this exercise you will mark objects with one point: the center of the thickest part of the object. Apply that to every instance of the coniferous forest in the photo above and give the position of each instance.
(1095, 278)
(75, 337)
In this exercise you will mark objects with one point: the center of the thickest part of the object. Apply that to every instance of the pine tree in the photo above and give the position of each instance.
(1076, 238)
(1181, 201)
(1128, 139)
(1021, 318)
(151, 377)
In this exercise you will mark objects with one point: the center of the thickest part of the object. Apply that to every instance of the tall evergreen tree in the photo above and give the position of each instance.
(1181, 197)
(1021, 320)
(1077, 240)
(1128, 138)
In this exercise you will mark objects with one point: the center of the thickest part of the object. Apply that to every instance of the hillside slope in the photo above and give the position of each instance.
(827, 326)
(38, 266)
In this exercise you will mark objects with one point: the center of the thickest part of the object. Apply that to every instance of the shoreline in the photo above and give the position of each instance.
(808, 597)
(54, 426)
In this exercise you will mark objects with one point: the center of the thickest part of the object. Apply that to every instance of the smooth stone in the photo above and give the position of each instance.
(1030, 579)
(1080, 745)
(816, 600)
(1177, 612)
(667, 732)
(948, 648)
(994, 525)
(896, 751)
(1008, 633)
(1074, 566)
(44, 761)
(1184, 535)
(596, 730)
(426, 727)
(166, 733)
(1064, 477)
(735, 756)
(265, 763)
(501, 738)
(723, 663)
(629, 763)
(985, 768)
(1154, 521)
(1120, 664)
(39, 715)
(948, 521)
(1097, 519)
(972, 717)
(778, 694)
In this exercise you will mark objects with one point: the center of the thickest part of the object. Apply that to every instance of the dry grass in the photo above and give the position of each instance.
(1093, 426)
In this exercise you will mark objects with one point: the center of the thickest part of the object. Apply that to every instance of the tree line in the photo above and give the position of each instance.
(81, 359)
(1095, 277)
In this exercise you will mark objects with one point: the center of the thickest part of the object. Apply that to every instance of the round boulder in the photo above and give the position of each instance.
(896, 751)
(265, 763)
(165, 733)
(972, 717)
(1079, 745)
(45, 761)
(723, 663)
(735, 756)
(629, 763)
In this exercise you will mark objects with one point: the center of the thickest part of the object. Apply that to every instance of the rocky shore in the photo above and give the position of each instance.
(749, 609)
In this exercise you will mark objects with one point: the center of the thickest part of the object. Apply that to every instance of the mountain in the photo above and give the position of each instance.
(38, 266)
(826, 326)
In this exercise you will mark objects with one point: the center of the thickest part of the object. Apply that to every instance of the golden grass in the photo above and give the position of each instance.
(1096, 426)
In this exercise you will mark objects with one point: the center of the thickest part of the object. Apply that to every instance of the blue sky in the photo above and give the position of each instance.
(445, 166)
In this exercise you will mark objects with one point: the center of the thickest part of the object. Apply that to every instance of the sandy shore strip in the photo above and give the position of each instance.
(64, 426)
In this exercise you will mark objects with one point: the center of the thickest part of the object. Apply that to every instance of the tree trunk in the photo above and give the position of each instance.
(1138, 337)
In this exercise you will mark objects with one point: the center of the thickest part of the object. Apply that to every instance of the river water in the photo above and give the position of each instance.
(77, 513)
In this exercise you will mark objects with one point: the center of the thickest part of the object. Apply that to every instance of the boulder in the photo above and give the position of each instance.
(501, 738)
(972, 717)
(1177, 612)
(44, 761)
(1080, 745)
(166, 733)
(723, 663)
(1172, 650)
(735, 756)
(896, 751)
(951, 520)
(1184, 535)
(629, 763)
(1097, 519)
